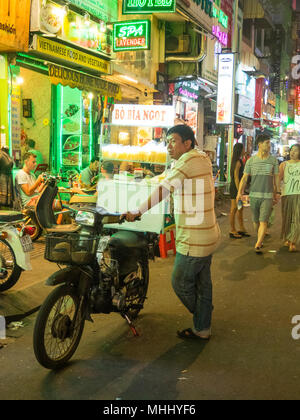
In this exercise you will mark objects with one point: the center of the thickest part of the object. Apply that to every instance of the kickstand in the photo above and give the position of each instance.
(131, 326)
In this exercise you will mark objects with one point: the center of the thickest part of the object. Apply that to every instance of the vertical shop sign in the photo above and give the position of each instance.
(225, 89)
(298, 100)
(16, 118)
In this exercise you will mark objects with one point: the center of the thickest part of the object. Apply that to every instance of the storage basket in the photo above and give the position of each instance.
(71, 248)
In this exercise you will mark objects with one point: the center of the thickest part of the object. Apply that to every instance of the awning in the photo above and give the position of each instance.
(74, 79)
(253, 9)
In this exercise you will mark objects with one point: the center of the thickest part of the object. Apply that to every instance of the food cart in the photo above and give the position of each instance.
(135, 142)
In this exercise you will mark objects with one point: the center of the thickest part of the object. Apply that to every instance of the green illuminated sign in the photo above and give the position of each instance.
(213, 11)
(148, 6)
(133, 35)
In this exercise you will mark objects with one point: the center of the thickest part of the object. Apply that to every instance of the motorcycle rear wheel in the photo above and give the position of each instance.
(9, 270)
(58, 327)
(37, 230)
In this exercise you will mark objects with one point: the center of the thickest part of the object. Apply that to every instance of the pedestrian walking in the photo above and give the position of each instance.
(264, 187)
(289, 173)
(197, 230)
(236, 174)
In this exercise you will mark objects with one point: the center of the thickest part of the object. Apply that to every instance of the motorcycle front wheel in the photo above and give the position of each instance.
(9, 270)
(58, 327)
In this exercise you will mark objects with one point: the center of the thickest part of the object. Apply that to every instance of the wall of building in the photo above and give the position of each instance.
(37, 87)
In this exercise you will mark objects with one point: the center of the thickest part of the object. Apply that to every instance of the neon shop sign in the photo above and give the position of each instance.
(222, 36)
(213, 11)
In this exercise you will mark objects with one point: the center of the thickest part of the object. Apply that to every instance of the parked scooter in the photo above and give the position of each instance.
(15, 247)
(106, 271)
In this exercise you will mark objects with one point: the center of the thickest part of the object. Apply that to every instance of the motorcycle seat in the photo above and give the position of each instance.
(83, 199)
(7, 216)
(71, 228)
(127, 239)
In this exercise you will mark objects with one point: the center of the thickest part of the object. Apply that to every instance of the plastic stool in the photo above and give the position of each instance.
(165, 246)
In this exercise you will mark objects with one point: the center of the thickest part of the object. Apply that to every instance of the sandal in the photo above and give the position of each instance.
(188, 333)
(244, 233)
(235, 235)
(258, 250)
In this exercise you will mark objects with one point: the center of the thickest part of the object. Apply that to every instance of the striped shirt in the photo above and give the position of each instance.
(191, 181)
(262, 173)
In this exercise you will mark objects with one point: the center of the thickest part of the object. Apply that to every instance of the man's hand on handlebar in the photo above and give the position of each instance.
(132, 216)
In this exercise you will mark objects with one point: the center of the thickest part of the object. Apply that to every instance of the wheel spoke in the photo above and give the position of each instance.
(60, 324)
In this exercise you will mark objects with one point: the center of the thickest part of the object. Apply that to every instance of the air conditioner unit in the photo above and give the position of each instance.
(178, 44)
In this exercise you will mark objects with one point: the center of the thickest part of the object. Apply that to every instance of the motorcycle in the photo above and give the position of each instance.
(106, 271)
(15, 247)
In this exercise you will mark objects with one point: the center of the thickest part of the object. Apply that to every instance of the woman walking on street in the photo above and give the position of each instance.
(290, 175)
(236, 172)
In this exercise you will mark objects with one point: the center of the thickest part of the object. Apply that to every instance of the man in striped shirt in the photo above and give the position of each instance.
(264, 188)
(197, 230)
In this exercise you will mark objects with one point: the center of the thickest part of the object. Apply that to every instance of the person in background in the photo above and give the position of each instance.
(289, 173)
(37, 153)
(264, 171)
(26, 183)
(6, 180)
(236, 174)
(107, 170)
(88, 176)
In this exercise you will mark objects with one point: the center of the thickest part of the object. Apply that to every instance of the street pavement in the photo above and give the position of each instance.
(251, 355)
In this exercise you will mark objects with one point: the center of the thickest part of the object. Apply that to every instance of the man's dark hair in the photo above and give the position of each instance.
(27, 156)
(108, 167)
(185, 132)
(262, 137)
(31, 143)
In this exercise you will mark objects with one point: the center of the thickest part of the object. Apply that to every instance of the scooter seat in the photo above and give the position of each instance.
(7, 216)
(72, 228)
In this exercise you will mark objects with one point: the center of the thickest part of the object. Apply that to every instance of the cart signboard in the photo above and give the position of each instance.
(143, 115)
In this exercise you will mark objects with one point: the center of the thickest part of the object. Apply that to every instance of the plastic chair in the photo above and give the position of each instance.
(42, 167)
(165, 246)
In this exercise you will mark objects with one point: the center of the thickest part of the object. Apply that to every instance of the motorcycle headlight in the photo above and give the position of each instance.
(85, 218)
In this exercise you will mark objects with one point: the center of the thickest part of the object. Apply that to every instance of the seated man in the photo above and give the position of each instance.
(88, 175)
(37, 153)
(26, 183)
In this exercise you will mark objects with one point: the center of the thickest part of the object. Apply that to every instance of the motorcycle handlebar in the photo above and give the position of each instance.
(123, 218)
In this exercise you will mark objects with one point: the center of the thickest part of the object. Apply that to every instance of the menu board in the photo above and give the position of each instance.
(16, 118)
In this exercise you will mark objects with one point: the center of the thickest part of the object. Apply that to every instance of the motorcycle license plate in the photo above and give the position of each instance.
(26, 243)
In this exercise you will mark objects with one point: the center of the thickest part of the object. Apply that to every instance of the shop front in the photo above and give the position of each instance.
(59, 93)
(14, 36)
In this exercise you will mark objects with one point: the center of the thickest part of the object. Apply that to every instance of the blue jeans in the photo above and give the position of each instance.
(191, 281)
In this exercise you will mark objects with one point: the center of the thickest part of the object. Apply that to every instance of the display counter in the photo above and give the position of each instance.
(121, 196)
